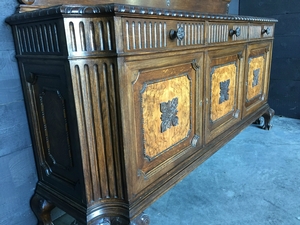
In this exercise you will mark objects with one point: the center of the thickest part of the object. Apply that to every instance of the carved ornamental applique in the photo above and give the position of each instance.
(255, 77)
(224, 89)
(169, 114)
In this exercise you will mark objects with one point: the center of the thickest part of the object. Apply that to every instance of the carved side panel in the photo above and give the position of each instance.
(89, 35)
(95, 98)
(217, 33)
(56, 128)
(55, 137)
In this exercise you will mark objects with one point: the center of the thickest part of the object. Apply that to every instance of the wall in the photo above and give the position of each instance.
(284, 95)
(17, 166)
(234, 7)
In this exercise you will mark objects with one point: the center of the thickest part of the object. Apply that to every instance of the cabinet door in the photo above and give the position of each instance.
(257, 76)
(159, 115)
(223, 90)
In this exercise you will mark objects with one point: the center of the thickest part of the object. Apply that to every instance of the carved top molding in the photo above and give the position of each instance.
(129, 9)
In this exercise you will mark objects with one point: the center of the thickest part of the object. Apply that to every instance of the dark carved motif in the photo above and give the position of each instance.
(169, 114)
(224, 89)
(255, 77)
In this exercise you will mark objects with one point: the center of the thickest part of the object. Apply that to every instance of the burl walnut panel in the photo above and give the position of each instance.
(255, 78)
(124, 101)
(166, 113)
(223, 89)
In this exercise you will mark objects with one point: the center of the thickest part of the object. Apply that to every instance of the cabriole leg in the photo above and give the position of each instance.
(268, 118)
(42, 209)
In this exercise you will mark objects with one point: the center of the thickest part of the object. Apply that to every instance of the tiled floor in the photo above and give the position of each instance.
(252, 180)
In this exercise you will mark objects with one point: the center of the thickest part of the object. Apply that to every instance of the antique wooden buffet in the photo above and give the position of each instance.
(124, 101)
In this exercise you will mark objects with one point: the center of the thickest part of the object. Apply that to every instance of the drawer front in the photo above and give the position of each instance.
(154, 35)
(223, 99)
(257, 31)
(226, 32)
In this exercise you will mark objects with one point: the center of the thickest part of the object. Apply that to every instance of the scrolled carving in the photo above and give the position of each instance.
(195, 65)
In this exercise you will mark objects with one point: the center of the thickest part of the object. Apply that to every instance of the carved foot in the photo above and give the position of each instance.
(267, 119)
(42, 209)
(142, 219)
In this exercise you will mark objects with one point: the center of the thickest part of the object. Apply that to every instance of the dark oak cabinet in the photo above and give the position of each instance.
(124, 101)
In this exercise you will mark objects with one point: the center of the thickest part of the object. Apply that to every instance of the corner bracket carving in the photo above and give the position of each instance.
(195, 65)
(195, 140)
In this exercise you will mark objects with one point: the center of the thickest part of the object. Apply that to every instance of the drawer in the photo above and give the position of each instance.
(257, 31)
(154, 35)
(226, 32)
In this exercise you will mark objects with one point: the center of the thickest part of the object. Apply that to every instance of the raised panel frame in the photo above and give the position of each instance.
(39, 81)
(223, 66)
(140, 75)
(260, 52)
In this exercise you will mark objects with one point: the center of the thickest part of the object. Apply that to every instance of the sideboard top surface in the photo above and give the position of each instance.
(118, 9)
(209, 6)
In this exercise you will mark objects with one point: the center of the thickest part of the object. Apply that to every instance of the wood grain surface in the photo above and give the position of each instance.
(221, 74)
(155, 94)
(255, 63)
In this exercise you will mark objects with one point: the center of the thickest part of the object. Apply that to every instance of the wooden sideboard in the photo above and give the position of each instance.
(124, 101)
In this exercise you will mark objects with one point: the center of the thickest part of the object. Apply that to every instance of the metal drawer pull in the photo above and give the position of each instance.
(236, 32)
(179, 34)
(267, 31)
